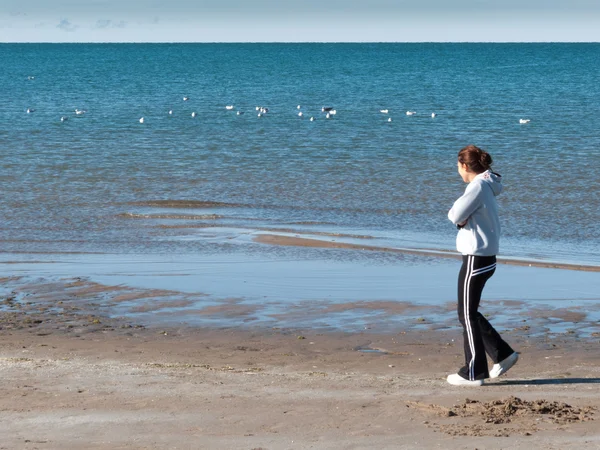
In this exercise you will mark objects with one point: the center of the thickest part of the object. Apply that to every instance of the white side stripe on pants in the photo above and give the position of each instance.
(484, 269)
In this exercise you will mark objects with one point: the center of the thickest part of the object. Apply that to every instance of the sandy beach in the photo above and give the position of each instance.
(74, 378)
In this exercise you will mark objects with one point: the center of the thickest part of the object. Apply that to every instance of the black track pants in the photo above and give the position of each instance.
(479, 336)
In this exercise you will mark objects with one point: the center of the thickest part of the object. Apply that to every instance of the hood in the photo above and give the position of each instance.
(492, 179)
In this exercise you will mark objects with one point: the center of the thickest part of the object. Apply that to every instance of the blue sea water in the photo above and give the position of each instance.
(90, 183)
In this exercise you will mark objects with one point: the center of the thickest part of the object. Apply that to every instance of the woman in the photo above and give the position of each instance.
(475, 214)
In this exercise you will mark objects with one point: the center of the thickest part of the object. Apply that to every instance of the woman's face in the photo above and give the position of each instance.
(463, 171)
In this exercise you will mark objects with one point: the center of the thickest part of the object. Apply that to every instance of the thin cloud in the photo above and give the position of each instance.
(105, 24)
(65, 25)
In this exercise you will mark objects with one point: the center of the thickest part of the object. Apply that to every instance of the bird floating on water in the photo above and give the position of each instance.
(326, 108)
(229, 107)
(194, 114)
(239, 113)
(433, 115)
(524, 120)
(185, 99)
(410, 113)
(298, 107)
(389, 119)
(141, 120)
(30, 110)
(312, 119)
(64, 118)
(384, 111)
(170, 112)
(30, 77)
(80, 112)
(300, 114)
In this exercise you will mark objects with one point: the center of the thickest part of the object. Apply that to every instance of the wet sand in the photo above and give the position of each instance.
(296, 241)
(75, 378)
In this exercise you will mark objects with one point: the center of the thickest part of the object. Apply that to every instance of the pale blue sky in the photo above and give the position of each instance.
(299, 20)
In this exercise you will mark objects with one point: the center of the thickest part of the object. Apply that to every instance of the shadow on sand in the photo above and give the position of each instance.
(545, 381)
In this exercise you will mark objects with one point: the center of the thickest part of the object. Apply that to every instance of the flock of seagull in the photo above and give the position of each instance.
(261, 111)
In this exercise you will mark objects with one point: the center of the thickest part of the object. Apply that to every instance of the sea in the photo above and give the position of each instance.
(343, 142)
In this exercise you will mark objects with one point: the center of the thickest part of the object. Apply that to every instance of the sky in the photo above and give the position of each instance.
(300, 21)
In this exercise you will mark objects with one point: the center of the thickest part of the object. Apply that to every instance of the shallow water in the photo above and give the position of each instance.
(278, 291)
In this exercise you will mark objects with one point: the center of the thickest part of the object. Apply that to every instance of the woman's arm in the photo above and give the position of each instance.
(467, 204)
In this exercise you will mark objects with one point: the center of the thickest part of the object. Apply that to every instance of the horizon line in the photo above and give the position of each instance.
(300, 42)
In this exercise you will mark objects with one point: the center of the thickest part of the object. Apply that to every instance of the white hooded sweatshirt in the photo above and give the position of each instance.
(480, 235)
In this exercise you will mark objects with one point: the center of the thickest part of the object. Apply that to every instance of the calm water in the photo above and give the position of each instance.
(77, 185)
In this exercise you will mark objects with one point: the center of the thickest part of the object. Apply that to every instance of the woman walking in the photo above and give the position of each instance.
(475, 214)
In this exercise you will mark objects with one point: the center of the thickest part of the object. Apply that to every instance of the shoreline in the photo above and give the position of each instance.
(162, 303)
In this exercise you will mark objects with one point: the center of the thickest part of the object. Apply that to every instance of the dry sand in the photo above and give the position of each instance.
(73, 379)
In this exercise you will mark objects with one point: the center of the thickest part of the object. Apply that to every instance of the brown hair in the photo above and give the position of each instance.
(477, 160)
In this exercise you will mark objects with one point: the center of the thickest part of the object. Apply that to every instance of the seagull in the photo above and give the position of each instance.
(30, 110)
(80, 112)
(170, 112)
(333, 112)
(260, 114)
(389, 119)
(298, 107)
(524, 120)
(194, 114)
(384, 111)
(410, 113)
(64, 118)
(433, 115)
(327, 116)
(300, 114)
(229, 107)
(312, 119)
(141, 120)
(30, 77)
(185, 99)
(326, 109)
(239, 113)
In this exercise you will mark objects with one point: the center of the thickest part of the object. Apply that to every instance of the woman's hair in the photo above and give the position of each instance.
(477, 160)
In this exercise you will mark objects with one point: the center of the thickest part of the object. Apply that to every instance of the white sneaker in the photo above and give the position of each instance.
(504, 365)
(457, 380)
